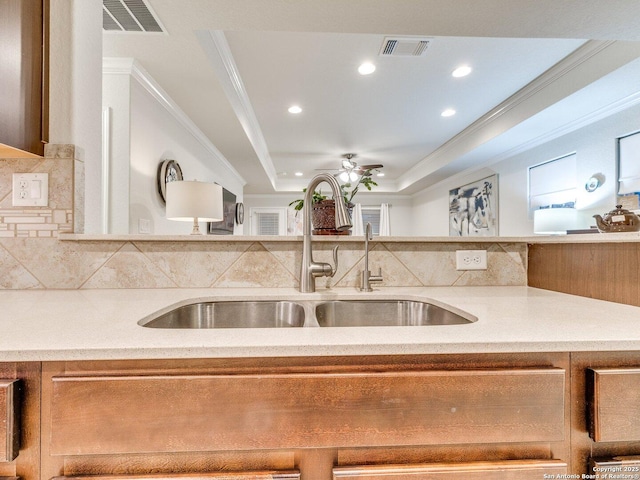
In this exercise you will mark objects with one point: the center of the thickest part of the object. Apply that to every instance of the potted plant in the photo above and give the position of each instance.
(323, 208)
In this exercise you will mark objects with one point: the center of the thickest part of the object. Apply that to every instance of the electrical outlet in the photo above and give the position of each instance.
(144, 225)
(471, 259)
(30, 189)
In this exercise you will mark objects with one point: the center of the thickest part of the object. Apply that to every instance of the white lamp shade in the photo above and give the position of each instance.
(189, 200)
(554, 221)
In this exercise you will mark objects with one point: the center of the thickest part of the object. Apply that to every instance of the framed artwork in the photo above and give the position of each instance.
(473, 209)
(225, 226)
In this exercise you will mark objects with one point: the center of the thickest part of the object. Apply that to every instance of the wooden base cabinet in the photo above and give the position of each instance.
(605, 388)
(504, 470)
(256, 475)
(20, 421)
(10, 390)
(613, 397)
(313, 416)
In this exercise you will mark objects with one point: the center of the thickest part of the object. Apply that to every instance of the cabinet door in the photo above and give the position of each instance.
(9, 420)
(22, 54)
(502, 470)
(155, 413)
(613, 397)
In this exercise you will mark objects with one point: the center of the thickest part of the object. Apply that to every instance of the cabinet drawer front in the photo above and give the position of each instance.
(500, 470)
(128, 414)
(613, 396)
(263, 475)
(617, 467)
(9, 419)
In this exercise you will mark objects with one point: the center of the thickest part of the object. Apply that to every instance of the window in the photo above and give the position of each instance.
(553, 182)
(268, 221)
(372, 215)
(629, 164)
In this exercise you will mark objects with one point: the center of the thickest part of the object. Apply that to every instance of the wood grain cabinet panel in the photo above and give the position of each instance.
(613, 399)
(23, 76)
(182, 413)
(9, 419)
(617, 467)
(262, 475)
(501, 470)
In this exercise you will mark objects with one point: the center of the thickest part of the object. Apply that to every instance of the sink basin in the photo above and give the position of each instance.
(385, 313)
(265, 314)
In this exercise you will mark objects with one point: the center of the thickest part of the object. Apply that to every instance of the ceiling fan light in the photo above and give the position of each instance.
(348, 164)
(344, 176)
(353, 176)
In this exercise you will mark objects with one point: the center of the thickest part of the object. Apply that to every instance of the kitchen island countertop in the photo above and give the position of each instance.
(50, 325)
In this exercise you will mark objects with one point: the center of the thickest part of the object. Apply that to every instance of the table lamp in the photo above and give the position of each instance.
(193, 201)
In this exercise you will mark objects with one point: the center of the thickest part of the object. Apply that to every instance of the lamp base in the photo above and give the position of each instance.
(196, 228)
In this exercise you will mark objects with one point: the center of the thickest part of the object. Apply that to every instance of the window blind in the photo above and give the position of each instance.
(629, 164)
(553, 182)
(372, 215)
(267, 223)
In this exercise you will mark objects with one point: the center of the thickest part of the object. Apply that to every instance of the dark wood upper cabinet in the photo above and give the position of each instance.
(23, 77)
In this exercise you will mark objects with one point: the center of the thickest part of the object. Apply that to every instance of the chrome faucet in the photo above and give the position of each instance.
(367, 278)
(311, 269)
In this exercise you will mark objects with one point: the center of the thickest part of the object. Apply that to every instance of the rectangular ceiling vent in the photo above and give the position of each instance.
(404, 46)
(129, 16)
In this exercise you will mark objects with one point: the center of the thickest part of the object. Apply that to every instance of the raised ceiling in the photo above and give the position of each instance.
(234, 67)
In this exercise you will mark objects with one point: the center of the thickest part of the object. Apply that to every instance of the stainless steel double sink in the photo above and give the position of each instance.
(285, 314)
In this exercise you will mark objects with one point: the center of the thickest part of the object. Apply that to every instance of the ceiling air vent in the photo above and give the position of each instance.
(404, 46)
(129, 16)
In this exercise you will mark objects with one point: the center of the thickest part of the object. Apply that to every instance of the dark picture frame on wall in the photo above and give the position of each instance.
(473, 209)
(225, 226)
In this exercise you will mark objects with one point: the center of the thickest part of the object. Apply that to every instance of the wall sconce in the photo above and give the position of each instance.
(193, 201)
(595, 181)
(554, 221)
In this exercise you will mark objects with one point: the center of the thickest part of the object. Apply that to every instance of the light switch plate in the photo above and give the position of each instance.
(30, 189)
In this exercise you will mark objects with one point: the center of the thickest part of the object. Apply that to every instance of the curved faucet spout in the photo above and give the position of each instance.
(343, 220)
(311, 269)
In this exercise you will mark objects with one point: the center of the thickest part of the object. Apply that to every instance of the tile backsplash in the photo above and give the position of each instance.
(31, 257)
(47, 221)
(54, 264)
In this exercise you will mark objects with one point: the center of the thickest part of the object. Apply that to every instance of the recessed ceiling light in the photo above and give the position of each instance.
(295, 109)
(461, 71)
(366, 68)
(380, 174)
(298, 174)
(449, 112)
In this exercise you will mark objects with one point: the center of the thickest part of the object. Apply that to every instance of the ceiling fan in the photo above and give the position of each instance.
(350, 170)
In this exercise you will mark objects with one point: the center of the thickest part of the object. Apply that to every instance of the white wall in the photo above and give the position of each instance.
(144, 133)
(400, 211)
(75, 75)
(595, 146)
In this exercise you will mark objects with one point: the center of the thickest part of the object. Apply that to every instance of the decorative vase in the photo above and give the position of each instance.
(324, 220)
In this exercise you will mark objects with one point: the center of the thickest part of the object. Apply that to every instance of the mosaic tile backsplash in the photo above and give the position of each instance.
(48, 221)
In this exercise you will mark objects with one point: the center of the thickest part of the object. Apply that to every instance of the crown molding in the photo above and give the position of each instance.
(219, 53)
(574, 71)
(129, 66)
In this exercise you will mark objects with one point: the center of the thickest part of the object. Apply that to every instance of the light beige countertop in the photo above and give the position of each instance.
(534, 239)
(43, 325)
